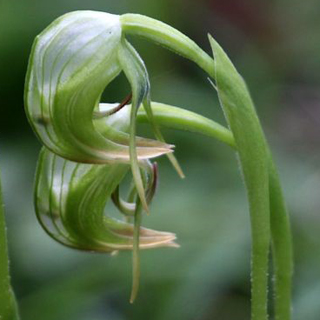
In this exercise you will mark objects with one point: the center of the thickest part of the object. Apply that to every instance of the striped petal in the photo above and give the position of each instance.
(71, 63)
(70, 199)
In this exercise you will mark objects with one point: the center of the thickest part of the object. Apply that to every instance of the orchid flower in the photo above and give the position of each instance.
(90, 145)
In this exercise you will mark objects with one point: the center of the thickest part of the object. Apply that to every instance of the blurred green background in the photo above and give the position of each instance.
(276, 46)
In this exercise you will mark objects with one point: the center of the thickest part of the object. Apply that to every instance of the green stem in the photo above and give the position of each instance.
(181, 119)
(165, 35)
(135, 252)
(253, 159)
(176, 118)
(281, 246)
(8, 306)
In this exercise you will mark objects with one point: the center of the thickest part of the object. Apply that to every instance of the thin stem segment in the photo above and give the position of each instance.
(135, 252)
(8, 306)
(281, 246)
(181, 119)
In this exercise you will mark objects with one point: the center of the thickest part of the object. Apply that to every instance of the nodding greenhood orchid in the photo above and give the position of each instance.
(70, 199)
(71, 63)
(89, 146)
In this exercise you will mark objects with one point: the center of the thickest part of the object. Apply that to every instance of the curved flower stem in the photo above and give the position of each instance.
(168, 37)
(181, 119)
(8, 306)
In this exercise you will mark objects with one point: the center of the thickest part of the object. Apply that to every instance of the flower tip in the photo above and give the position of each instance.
(132, 298)
(210, 37)
(114, 253)
(180, 172)
(146, 209)
(152, 152)
(173, 245)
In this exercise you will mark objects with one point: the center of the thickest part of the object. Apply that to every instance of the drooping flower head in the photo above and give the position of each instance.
(90, 145)
(72, 62)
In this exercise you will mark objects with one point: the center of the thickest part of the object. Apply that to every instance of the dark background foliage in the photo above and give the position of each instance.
(275, 45)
